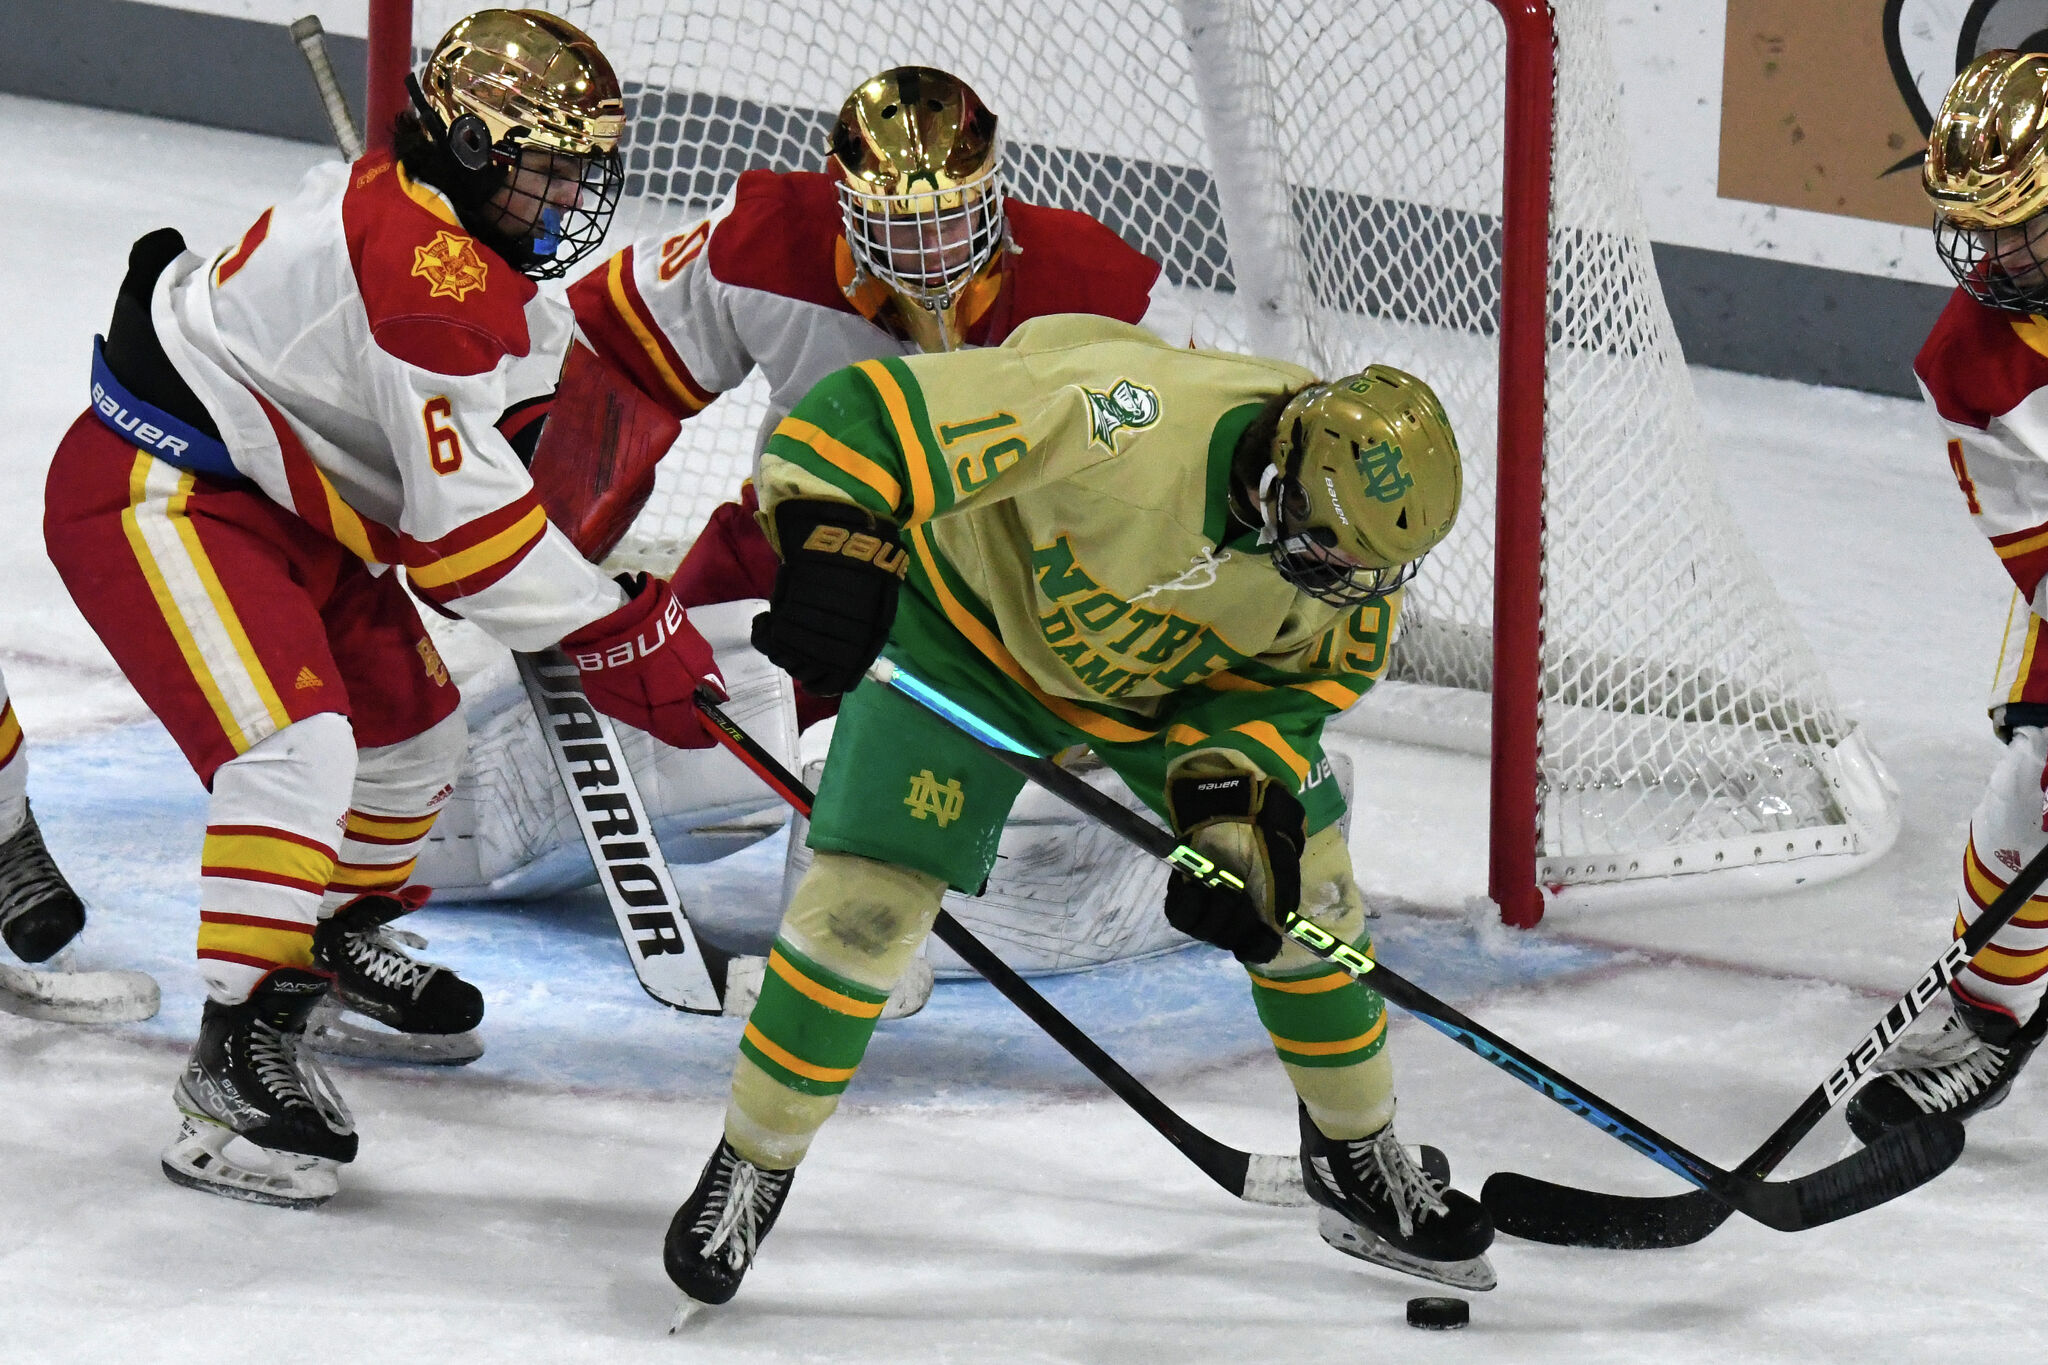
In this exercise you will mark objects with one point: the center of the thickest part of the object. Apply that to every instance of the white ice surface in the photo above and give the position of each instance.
(978, 1199)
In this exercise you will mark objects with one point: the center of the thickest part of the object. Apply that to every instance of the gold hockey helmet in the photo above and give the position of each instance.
(530, 111)
(1987, 175)
(920, 186)
(1365, 481)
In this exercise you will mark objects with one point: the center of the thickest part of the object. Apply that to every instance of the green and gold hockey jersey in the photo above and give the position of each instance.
(1065, 502)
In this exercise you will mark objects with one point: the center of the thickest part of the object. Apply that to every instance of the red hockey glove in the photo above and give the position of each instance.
(642, 664)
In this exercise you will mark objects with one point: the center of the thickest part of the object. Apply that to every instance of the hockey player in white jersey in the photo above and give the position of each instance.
(906, 243)
(275, 428)
(1984, 371)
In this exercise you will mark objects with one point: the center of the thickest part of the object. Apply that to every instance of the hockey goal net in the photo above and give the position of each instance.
(1434, 184)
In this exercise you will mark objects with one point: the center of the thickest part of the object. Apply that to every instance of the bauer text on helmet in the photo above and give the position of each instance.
(920, 186)
(528, 115)
(1987, 174)
(1365, 481)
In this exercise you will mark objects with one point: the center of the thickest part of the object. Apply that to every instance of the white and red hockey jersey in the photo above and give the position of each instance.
(768, 281)
(356, 349)
(1985, 373)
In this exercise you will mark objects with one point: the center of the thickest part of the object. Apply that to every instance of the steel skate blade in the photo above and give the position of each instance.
(1351, 1239)
(68, 997)
(335, 1031)
(198, 1159)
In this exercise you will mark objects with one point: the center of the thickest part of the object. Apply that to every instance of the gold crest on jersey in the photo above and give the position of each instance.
(451, 266)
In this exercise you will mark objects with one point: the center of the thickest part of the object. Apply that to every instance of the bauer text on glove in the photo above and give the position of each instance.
(1254, 826)
(835, 594)
(642, 663)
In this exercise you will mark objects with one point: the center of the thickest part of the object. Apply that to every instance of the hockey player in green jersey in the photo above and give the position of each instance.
(1187, 560)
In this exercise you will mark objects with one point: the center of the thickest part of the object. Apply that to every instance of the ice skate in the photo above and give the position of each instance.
(1380, 1206)
(261, 1120)
(712, 1239)
(39, 912)
(1967, 1067)
(428, 1014)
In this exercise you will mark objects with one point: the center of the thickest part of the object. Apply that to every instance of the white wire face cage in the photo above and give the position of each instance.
(919, 247)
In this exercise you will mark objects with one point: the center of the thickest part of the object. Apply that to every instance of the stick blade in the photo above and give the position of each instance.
(1562, 1215)
(1900, 1161)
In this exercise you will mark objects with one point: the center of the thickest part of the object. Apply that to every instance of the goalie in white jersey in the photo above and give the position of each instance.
(1984, 370)
(273, 430)
(905, 244)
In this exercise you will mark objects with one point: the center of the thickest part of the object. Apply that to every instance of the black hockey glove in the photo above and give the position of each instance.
(1226, 917)
(835, 593)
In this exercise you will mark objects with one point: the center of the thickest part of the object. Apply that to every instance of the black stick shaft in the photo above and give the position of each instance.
(1224, 1164)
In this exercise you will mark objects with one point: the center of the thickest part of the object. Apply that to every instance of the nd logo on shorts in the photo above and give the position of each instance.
(929, 797)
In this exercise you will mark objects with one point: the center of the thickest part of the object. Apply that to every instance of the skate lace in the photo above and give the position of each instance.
(740, 1199)
(1382, 1163)
(295, 1079)
(380, 955)
(28, 874)
(1955, 1081)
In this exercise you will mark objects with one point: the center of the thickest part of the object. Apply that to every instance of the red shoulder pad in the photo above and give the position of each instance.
(436, 297)
(778, 238)
(1067, 262)
(1980, 362)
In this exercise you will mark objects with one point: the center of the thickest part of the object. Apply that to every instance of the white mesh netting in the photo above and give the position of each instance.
(1351, 151)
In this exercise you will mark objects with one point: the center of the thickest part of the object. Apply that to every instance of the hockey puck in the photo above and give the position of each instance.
(1439, 1315)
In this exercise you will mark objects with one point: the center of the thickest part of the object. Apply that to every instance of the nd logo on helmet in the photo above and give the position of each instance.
(1127, 407)
(1385, 479)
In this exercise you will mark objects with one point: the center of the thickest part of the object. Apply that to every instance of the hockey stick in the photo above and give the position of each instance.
(1563, 1215)
(312, 41)
(1257, 1177)
(674, 964)
(1903, 1159)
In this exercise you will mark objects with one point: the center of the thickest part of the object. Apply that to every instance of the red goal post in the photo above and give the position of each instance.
(1629, 747)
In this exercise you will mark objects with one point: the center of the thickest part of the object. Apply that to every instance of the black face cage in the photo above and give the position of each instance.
(540, 238)
(2001, 267)
(1302, 554)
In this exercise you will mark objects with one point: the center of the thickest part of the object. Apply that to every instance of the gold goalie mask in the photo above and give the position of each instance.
(527, 114)
(1987, 174)
(1365, 481)
(921, 191)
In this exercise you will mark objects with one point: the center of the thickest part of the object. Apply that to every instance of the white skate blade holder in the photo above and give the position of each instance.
(745, 975)
(112, 997)
(335, 1031)
(1353, 1240)
(199, 1159)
